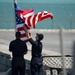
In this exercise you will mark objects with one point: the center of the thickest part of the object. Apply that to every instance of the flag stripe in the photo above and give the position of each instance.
(24, 13)
(20, 21)
(34, 18)
(23, 35)
(23, 32)
(27, 27)
(19, 25)
(31, 21)
(28, 19)
(20, 29)
(28, 14)
(39, 16)
(24, 38)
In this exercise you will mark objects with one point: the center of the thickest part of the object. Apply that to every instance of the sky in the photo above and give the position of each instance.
(41, 1)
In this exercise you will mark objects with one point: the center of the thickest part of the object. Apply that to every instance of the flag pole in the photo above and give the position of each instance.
(62, 51)
(15, 1)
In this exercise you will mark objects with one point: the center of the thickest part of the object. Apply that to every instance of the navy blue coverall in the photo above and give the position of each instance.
(36, 60)
(18, 49)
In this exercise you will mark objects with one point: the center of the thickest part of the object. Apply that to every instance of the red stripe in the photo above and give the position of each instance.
(25, 41)
(23, 35)
(46, 15)
(24, 12)
(19, 12)
(39, 16)
(27, 26)
(24, 19)
(27, 11)
(33, 20)
(28, 21)
(20, 28)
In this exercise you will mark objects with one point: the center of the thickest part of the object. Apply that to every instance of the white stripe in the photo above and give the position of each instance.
(37, 18)
(23, 32)
(45, 11)
(24, 38)
(50, 13)
(29, 14)
(19, 25)
(26, 22)
(21, 16)
(31, 21)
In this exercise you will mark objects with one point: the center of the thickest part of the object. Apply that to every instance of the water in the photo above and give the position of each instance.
(64, 15)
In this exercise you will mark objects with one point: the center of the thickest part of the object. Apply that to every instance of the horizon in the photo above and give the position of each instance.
(41, 1)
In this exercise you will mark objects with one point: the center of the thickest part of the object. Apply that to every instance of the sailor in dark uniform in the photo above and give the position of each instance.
(36, 60)
(18, 49)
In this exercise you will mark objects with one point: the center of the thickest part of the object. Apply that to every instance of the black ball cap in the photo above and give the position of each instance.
(41, 36)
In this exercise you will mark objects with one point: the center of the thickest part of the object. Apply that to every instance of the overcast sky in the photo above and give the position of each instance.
(41, 1)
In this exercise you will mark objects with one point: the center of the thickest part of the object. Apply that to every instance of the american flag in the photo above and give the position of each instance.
(20, 23)
(31, 20)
